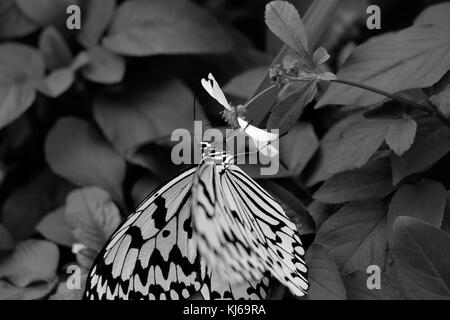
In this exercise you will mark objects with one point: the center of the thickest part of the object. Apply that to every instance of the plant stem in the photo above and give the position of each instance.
(431, 111)
(260, 94)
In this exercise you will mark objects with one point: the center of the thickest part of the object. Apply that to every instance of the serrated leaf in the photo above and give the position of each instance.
(54, 227)
(422, 252)
(142, 28)
(442, 101)
(400, 135)
(432, 142)
(55, 49)
(92, 216)
(374, 180)
(75, 150)
(325, 282)
(104, 66)
(350, 147)
(390, 63)
(425, 200)
(97, 15)
(355, 236)
(284, 21)
(31, 261)
(435, 14)
(286, 112)
(21, 69)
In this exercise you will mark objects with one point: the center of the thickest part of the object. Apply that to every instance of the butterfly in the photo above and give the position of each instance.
(211, 230)
(260, 137)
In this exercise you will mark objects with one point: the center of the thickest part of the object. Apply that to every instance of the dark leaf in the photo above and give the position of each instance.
(31, 261)
(325, 282)
(286, 113)
(21, 69)
(104, 66)
(142, 28)
(298, 147)
(390, 63)
(425, 200)
(355, 236)
(374, 180)
(13, 23)
(55, 49)
(436, 14)
(245, 84)
(77, 152)
(46, 12)
(97, 15)
(6, 240)
(54, 227)
(432, 143)
(422, 253)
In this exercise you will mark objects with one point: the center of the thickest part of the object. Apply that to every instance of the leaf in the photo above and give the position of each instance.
(104, 67)
(374, 180)
(327, 146)
(286, 113)
(21, 68)
(13, 23)
(400, 135)
(55, 49)
(298, 147)
(143, 187)
(320, 212)
(325, 283)
(351, 147)
(54, 227)
(389, 62)
(425, 200)
(46, 12)
(31, 261)
(97, 15)
(6, 240)
(245, 84)
(92, 216)
(26, 205)
(355, 236)
(143, 28)
(432, 142)
(138, 116)
(76, 151)
(442, 101)
(422, 253)
(284, 21)
(436, 14)
(390, 288)
(33, 292)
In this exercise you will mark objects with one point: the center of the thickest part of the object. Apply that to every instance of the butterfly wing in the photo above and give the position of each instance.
(152, 255)
(242, 231)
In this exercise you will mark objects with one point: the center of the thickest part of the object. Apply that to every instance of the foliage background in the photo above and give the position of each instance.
(86, 116)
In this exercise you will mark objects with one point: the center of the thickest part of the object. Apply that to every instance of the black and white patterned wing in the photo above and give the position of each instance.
(153, 254)
(242, 231)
